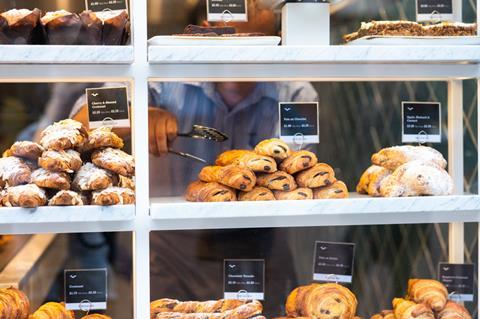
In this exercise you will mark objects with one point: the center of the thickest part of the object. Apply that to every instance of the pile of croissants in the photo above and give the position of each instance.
(270, 172)
(14, 304)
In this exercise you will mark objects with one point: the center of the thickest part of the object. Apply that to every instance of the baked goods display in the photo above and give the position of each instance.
(14, 304)
(61, 178)
(402, 171)
(96, 316)
(412, 29)
(269, 172)
(64, 28)
(224, 31)
(53, 310)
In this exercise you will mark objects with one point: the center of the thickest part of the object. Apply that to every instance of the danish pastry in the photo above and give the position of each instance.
(66, 198)
(298, 161)
(453, 310)
(319, 175)
(113, 196)
(372, 179)
(91, 177)
(384, 314)
(209, 192)
(14, 171)
(49, 179)
(249, 159)
(28, 150)
(279, 180)
(257, 194)
(405, 309)
(52, 310)
(14, 304)
(274, 147)
(232, 176)
(66, 134)
(336, 190)
(115, 160)
(393, 157)
(68, 161)
(26, 196)
(297, 194)
(100, 138)
(427, 291)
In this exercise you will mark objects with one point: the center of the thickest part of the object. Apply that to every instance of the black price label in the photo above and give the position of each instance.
(299, 122)
(333, 262)
(227, 10)
(431, 10)
(86, 289)
(459, 280)
(106, 5)
(421, 122)
(244, 279)
(108, 107)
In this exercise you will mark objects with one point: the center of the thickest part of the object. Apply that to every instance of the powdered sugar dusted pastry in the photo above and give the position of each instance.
(319, 175)
(299, 161)
(91, 177)
(63, 135)
(115, 160)
(126, 182)
(14, 171)
(257, 194)
(393, 157)
(113, 196)
(66, 198)
(279, 180)
(274, 147)
(26, 149)
(209, 192)
(102, 137)
(49, 179)
(335, 190)
(372, 179)
(68, 161)
(26, 196)
(298, 194)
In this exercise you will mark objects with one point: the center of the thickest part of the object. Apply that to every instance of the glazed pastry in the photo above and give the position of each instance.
(27, 150)
(14, 304)
(385, 314)
(66, 134)
(209, 192)
(297, 194)
(372, 179)
(100, 138)
(249, 159)
(115, 160)
(298, 161)
(68, 161)
(96, 316)
(274, 147)
(14, 171)
(113, 196)
(66, 198)
(405, 309)
(22, 25)
(115, 25)
(279, 180)
(417, 179)
(430, 292)
(26, 196)
(336, 190)
(91, 30)
(91, 177)
(53, 310)
(232, 176)
(319, 175)
(49, 179)
(126, 182)
(453, 310)
(257, 194)
(393, 157)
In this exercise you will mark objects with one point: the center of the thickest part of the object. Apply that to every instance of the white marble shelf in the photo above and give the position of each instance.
(176, 213)
(339, 54)
(73, 54)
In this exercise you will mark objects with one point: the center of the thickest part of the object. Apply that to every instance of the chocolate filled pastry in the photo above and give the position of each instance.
(196, 29)
(22, 25)
(114, 26)
(26, 149)
(126, 182)
(62, 27)
(279, 180)
(372, 180)
(26, 196)
(14, 304)
(257, 194)
(115, 160)
(66, 198)
(100, 138)
(68, 161)
(209, 192)
(63, 135)
(48, 179)
(52, 310)
(274, 147)
(113, 196)
(14, 171)
(233, 176)
(91, 29)
(297, 194)
(453, 310)
(249, 159)
(405, 309)
(91, 177)
(298, 161)
(334, 191)
(318, 176)
(393, 157)
(428, 291)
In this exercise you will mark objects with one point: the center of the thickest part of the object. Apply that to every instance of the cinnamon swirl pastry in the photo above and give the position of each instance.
(249, 159)
(298, 161)
(334, 191)
(232, 176)
(68, 161)
(257, 194)
(279, 180)
(274, 147)
(209, 192)
(319, 175)
(297, 194)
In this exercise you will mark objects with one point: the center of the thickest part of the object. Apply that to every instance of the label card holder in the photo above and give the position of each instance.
(333, 262)
(421, 122)
(459, 280)
(106, 5)
(244, 279)
(299, 122)
(85, 289)
(227, 10)
(435, 10)
(108, 107)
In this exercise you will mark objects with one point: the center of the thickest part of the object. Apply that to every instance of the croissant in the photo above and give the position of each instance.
(26, 196)
(298, 161)
(209, 192)
(428, 291)
(297, 194)
(257, 194)
(26, 149)
(68, 161)
(66, 198)
(100, 138)
(279, 180)
(453, 310)
(372, 179)
(393, 157)
(319, 175)
(232, 176)
(14, 304)
(336, 190)
(249, 159)
(53, 180)
(53, 310)
(405, 309)
(115, 160)
(96, 316)
(113, 196)
(66, 134)
(14, 171)
(274, 147)
(384, 314)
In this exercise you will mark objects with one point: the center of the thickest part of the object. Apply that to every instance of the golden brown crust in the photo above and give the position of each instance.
(209, 192)
(14, 171)
(297, 194)
(279, 180)
(428, 291)
(318, 176)
(232, 176)
(274, 147)
(405, 309)
(48, 179)
(17, 301)
(68, 161)
(372, 179)
(113, 196)
(126, 182)
(298, 161)
(96, 316)
(393, 157)
(257, 194)
(26, 149)
(115, 160)
(453, 310)
(248, 159)
(101, 138)
(26, 196)
(162, 305)
(63, 135)
(91, 177)
(335, 191)
(53, 310)
(66, 198)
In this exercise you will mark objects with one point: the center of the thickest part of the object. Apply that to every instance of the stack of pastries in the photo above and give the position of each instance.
(270, 172)
(213, 309)
(425, 299)
(402, 171)
(53, 172)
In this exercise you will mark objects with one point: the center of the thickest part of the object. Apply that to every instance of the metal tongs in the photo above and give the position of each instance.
(204, 133)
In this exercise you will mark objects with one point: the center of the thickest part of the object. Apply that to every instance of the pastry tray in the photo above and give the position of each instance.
(174, 40)
(399, 40)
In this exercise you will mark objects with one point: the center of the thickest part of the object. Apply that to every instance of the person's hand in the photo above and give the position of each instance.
(162, 130)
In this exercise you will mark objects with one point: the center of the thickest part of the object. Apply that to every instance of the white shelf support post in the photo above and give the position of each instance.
(455, 164)
(457, 9)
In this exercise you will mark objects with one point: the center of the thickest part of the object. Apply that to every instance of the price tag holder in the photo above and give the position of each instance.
(106, 5)
(227, 10)
(244, 279)
(86, 289)
(421, 122)
(435, 10)
(459, 280)
(108, 107)
(333, 262)
(299, 122)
